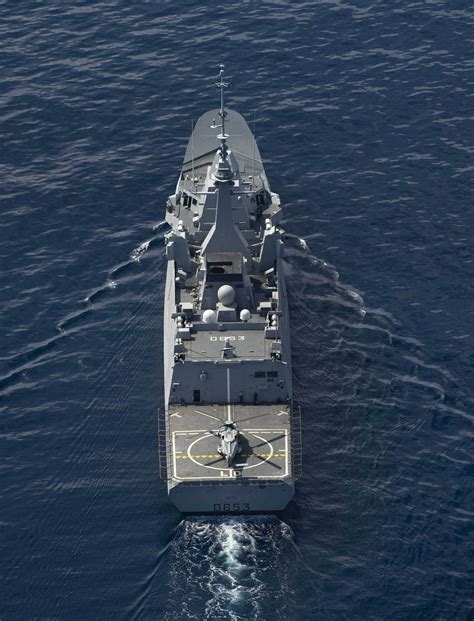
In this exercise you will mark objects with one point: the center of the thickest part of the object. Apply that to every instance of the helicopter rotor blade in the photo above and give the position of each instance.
(244, 420)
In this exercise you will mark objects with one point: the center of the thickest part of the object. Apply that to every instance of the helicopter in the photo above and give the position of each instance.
(229, 446)
(229, 436)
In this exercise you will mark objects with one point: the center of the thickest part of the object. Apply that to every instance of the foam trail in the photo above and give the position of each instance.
(140, 250)
(322, 274)
(229, 568)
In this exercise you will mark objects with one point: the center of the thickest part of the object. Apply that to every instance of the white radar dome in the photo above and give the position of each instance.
(226, 295)
(209, 316)
(245, 314)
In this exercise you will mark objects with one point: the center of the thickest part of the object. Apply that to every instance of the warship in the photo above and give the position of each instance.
(229, 435)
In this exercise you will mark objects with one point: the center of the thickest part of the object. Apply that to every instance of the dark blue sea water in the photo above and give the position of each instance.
(364, 116)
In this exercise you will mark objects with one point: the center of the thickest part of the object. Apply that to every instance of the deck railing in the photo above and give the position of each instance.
(296, 442)
(163, 435)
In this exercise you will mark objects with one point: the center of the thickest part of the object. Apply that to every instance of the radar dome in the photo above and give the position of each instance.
(226, 295)
(209, 316)
(245, 314)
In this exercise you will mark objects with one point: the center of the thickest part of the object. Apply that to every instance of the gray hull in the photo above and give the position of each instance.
(229, 434)
(232, 497)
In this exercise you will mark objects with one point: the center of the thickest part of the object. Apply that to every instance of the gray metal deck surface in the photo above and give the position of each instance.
(247, 344)
(265, 441)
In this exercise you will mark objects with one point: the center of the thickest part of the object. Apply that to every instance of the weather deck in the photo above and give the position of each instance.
(248, 344)
(264, 436)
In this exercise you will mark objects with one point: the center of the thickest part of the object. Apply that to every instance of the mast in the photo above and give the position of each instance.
(223, 172)
(222, 85)
(192, 153)
(224, 235)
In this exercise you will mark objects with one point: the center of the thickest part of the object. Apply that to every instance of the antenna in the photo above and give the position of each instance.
(253, 157)
(192, 150)
(222, 85)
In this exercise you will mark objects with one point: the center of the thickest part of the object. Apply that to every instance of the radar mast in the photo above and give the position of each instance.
(223, 172)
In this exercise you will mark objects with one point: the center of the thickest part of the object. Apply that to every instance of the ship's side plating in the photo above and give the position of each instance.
(226, 331)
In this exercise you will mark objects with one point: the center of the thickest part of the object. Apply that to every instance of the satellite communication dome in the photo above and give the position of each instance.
(226, 295)
(209, 316)
(245, 314)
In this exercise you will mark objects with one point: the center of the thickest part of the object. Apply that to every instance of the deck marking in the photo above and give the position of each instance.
(228, 385)
(238, 469)
(239, 465)
(208, 415)
(269, 444)
(175, 467)
(275, 431)
(185, 432)
(176, 414)
(264, 456)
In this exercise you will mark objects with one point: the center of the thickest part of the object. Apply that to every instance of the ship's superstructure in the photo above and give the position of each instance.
(229, 437)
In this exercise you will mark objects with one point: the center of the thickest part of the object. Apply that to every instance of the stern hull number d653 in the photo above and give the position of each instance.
(235, 506)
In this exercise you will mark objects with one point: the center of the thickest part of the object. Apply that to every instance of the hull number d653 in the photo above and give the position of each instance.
(235, 506)
(239, 337)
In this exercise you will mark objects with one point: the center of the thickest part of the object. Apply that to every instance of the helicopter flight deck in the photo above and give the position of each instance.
(265, 444)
